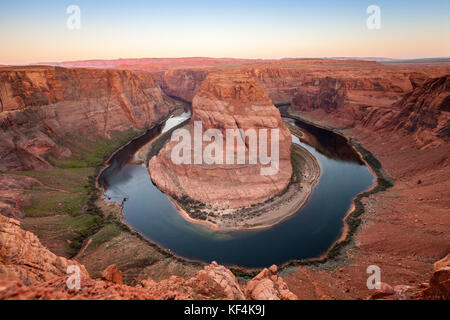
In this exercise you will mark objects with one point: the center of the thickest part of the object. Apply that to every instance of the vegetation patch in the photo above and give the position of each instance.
(91, 152)
(105, 234)
(49, 203)
(62, 233)
(70, 179)
(192, 207)
(244, 274)
(68, 192)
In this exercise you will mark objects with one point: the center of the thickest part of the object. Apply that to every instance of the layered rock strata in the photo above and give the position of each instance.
(23, 257)
(423, 113)
(40, 106)
(228, 102)
(366, 82)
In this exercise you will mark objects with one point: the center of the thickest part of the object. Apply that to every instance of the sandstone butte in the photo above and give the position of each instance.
(397, 112)
(227, 101)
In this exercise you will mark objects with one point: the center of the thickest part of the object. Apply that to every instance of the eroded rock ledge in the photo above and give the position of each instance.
(23, 257)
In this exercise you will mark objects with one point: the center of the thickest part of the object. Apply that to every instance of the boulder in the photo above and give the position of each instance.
(112, 274)
(267, 285)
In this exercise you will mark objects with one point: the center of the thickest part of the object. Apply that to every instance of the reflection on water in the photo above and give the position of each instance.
(326, 142)
(306, 234)
(121, 158)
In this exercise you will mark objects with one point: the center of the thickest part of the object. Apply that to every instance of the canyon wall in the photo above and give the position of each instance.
(40, 106)
(361, 80)
(344, 87)
(227, 101)
(424, 114)
(283, 80)
(183, 83)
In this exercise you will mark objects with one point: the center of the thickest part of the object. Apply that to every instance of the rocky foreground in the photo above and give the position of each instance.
(30, 271)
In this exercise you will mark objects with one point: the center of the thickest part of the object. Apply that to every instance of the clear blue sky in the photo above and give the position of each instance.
(33, 31)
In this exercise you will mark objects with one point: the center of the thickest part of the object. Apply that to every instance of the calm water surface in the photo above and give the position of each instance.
(307, 234)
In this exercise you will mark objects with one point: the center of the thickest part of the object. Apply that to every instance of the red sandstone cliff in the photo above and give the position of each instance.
(23, 257)
(183, 83)
(367, 82)
(227, 101)
(42, 105)
(423, 113)
(345, 87)
(320, 79)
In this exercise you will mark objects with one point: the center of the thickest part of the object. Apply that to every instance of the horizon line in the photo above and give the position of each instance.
(367, 58)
